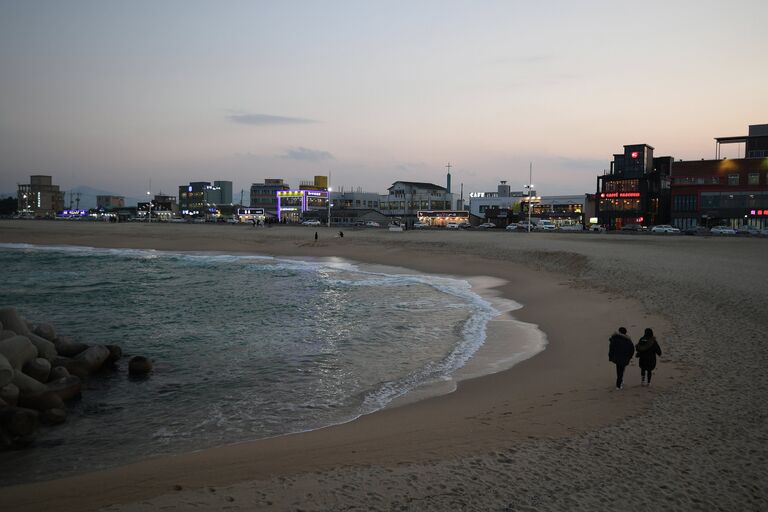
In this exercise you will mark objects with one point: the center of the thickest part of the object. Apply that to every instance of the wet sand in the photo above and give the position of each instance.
(552, 433)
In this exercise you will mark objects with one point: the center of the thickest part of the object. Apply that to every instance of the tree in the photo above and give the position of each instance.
(8, 206)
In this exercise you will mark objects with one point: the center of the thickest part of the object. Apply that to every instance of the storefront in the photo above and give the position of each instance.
(439, 218)
(292, 205)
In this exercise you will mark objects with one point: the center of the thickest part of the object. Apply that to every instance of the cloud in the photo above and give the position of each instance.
(306, 154)
(267, 120)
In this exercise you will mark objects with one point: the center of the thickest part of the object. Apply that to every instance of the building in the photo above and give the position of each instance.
(636, 190)
(297, 205)
(560, 210)
(40, 198)
(731, 192)
(504, 199)
(406, 198)
(264, 195)
(200, 198)
(110, 202)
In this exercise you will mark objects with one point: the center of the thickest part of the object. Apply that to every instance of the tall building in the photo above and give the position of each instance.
(40, 198)
(199, 197)
(264, 195)
(636, 190)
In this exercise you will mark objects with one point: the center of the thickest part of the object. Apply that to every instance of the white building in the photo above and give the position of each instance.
(405, 198)
(502, 199)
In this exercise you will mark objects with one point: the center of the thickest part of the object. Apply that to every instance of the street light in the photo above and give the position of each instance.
(529, 186)
(149, 208)
(329, 206)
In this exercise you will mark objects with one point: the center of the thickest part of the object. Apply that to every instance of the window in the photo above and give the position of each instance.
(733, 179)
(753, 178)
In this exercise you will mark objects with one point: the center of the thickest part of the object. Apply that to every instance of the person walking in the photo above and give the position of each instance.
(647, 350)
(620, 352)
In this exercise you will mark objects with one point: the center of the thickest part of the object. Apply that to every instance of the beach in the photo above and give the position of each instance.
(551, 433)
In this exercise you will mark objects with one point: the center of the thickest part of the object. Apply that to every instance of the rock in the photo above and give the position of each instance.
(53, 416)
(66, 388)
(94, 357)
(67, 346)
(58, 372)
(12, 321)
(74, 367)
(10, 394)
(41, 401)
(45, 349)
(115, 353)
(5, 334)
(19, 351)
(6, 371)
(17, 426)
(45, 331)
(139, 365)
(39, 369)
(26, 384)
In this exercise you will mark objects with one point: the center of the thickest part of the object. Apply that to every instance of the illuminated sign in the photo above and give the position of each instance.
(477, 194)
(189, 189)
(759, 212)
(290, 193)
(613, 195)
(313, 193)
(635, 154)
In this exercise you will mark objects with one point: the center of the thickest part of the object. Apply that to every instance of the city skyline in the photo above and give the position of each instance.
(112, 96)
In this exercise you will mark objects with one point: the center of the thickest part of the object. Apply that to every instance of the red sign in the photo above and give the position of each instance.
(635, 154)
(613, 195)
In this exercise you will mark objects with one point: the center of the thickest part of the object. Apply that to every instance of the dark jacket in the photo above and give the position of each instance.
(647, 350)
(621, 349)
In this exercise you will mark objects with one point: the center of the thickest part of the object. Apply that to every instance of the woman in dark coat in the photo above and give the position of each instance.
(647, 350)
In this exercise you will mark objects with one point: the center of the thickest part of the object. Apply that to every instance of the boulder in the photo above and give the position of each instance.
(58, 372)
(18, 350)
(94, 357)
(66, 388)
(17, 426)
(39, 369)
(53, 416)
(45, 331)
(26, 384)
(6, 371)
(11, 320)
(45, 349)
(115, 353)
(139, 365)
(79, 368)
(67, 346)
(10, 394)
(41, 401)
(5, 334)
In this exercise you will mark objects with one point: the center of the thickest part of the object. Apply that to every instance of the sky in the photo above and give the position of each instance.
(117, 94)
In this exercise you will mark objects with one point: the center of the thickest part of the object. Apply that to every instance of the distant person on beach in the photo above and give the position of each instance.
(647, 350)
(341, 234)
(315, 236)
(620, 353)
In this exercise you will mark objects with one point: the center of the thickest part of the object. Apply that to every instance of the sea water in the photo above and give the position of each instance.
(244, 347)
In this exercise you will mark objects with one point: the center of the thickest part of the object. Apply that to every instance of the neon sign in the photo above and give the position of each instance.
(613, 195)
(635, 154)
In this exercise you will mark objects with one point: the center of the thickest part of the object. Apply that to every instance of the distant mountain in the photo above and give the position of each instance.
(88, 197)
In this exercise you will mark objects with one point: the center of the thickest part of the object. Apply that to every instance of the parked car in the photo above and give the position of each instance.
(486, 225)
(571, 227)
(372, 224)
(696, 230)
(512, 227)
(747, 230)
(311, 222)
(764, 232)
(632, 227)
(664, 228)
(420, 225)
(597, 228)
(452, 225)
(523, 226)
(545, 226)
(722, 230)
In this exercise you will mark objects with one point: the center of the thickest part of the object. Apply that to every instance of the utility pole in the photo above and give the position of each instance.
(530, 190)
(329, 198)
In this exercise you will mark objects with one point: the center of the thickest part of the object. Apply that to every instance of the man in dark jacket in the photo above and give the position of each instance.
(620, 353)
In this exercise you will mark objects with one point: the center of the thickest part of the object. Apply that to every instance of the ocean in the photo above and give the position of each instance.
(244, 347)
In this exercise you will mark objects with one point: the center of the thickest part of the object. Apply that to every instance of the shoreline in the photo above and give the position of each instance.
(544, 397)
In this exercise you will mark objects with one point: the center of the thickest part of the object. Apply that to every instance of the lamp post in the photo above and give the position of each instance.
(529, 186)
(149, 205)
(329, 206)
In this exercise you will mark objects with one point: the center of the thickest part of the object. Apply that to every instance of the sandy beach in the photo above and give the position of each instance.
(552, 433)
